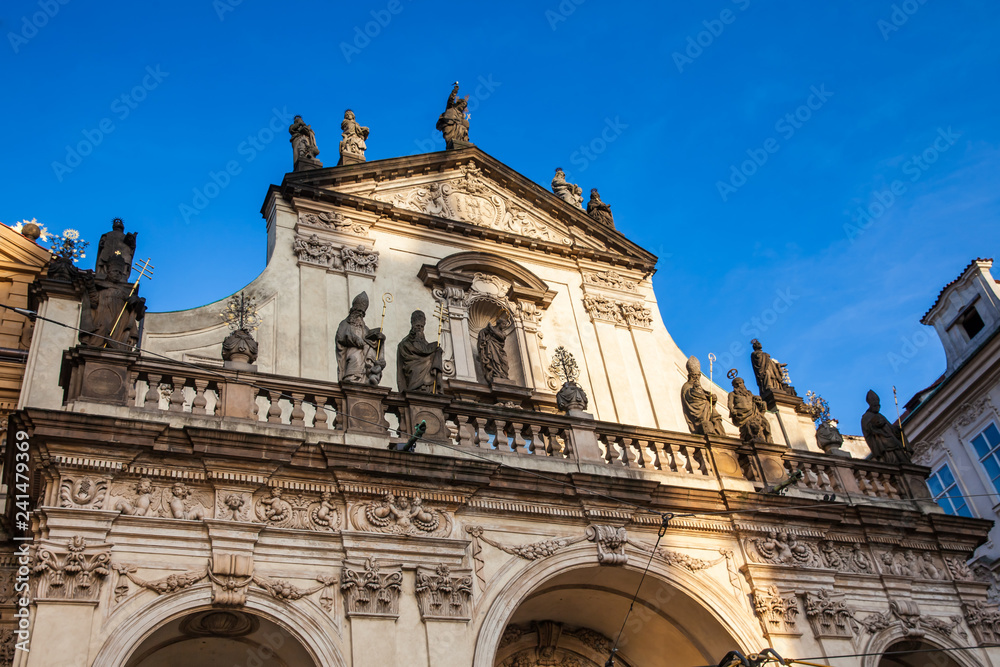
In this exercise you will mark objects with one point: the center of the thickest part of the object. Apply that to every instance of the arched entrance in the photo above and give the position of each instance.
(916, 653)
(217, 637)
(573, 618)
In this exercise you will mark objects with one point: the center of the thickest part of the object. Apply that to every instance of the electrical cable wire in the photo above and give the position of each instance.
(469, 453)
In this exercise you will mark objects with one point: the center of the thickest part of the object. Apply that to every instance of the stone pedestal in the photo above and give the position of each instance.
(429, 408)
(97, 375)
(458, 144)
(306, 163)
(365, 408)
(796, 426)
(350, 158)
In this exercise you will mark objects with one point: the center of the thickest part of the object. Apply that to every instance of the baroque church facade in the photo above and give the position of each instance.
(529, 472)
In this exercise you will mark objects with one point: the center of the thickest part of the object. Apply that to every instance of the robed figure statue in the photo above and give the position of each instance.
(598, 210)
(747, 412)
(303, 140)
(699, 404)
(769, 373)
(453, 123)
(115, 243)
(111, 312)
(419, 364)
(492, 353)
(360, 350)
(353, 136)
(884, 438)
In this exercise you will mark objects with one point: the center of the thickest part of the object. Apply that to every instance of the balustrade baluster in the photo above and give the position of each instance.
(199, 403)
(274, 411)
(500, 441)
(531, 443)
(298, 416)
(152, 400)
(177, 395)
(319, 421)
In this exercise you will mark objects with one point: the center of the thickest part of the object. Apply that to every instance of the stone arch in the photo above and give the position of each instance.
(895, 639)
(307, 624)
(729, 624)
(460, 266)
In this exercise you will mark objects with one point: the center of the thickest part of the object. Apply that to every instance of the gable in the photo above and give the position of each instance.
(469, 187)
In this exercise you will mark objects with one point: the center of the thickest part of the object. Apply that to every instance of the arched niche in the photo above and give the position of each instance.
(588, 603)
(478, 290)
(896, 649)
(180, 629)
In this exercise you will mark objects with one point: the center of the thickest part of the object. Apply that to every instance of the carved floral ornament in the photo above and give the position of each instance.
(400, 515)
(626, 313)
(468, 198)
(611, 279)
(74, 573)
(334, 221)
(969, 412)
(333, 257)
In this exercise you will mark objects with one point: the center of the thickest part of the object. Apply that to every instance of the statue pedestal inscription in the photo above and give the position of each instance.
(365, 408)
(98, 375)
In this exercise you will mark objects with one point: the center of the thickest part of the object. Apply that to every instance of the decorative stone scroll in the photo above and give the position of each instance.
(299, 511)
(74, 574)
(334, 221)
(444, 595)
(370, 592)
(776, 611)
(82, 492)
(907, 615)
(629, 313)
(400, 515)
(230, 574)
(828, 615)
(924, 450)
(467, 198)
(611, 279)
(610, 541)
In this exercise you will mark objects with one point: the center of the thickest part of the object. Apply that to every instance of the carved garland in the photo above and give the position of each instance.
(632, 314)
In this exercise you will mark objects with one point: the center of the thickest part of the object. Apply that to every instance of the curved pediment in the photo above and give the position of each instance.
(480, 269)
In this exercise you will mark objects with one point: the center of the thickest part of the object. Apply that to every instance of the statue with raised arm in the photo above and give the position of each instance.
(699, 404)
(454, 122)
(419, 363)
(303, 141)
(598, 210)
(747, 412)
(360, 350)
(492, 353)
(352, 142)
(114, 243)
(569, 192)
(884, 438)
(769, 373)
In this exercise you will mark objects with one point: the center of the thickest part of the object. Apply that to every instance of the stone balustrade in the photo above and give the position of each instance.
(173, 388)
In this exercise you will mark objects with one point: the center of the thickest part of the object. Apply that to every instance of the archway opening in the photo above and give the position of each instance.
(575, 617)
(217, 638)
(916, 653)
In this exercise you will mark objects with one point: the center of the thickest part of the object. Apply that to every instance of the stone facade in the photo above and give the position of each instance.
(179, 502)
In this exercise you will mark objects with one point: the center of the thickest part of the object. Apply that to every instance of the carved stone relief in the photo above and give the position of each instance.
(276, 507)
(630, 313)
(970, 411)
(335, 221)
(371, 592)
(73, 574)
(400, 515)
(907, 563)
(551, 644)
(907, 615)
(82, 492)
(610, 541)
(611, 279)
(782, 548)
(776, 611)
(924, 450)
(230, 575)
(984, 621)
(326, 254)
(828, 615)
(176, 501)
(233, 505)
(467, 198)
(443, 594)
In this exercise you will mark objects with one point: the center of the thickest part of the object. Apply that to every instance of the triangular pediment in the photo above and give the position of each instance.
(471, 188)
(16, 250)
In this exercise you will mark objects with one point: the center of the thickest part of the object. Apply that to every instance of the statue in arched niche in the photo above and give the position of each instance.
(492, 351)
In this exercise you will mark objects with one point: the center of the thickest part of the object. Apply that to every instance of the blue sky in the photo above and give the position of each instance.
(830, 103)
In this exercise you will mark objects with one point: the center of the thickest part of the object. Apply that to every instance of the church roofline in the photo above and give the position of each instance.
(312, 184)
(979, 262)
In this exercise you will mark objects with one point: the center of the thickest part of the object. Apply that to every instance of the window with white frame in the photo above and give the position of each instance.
(987, 446)
(946, 492)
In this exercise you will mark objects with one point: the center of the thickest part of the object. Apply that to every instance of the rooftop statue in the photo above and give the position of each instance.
(111, 310)
(115, 243)
(747, 412)
(598, 210)
(303, 142)
(569, 192)
(492, 354)
(419, 364)
(454, 123)
(884, 438)
(699, 404)
(769, 373)
(352, 142)
(360, 350)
